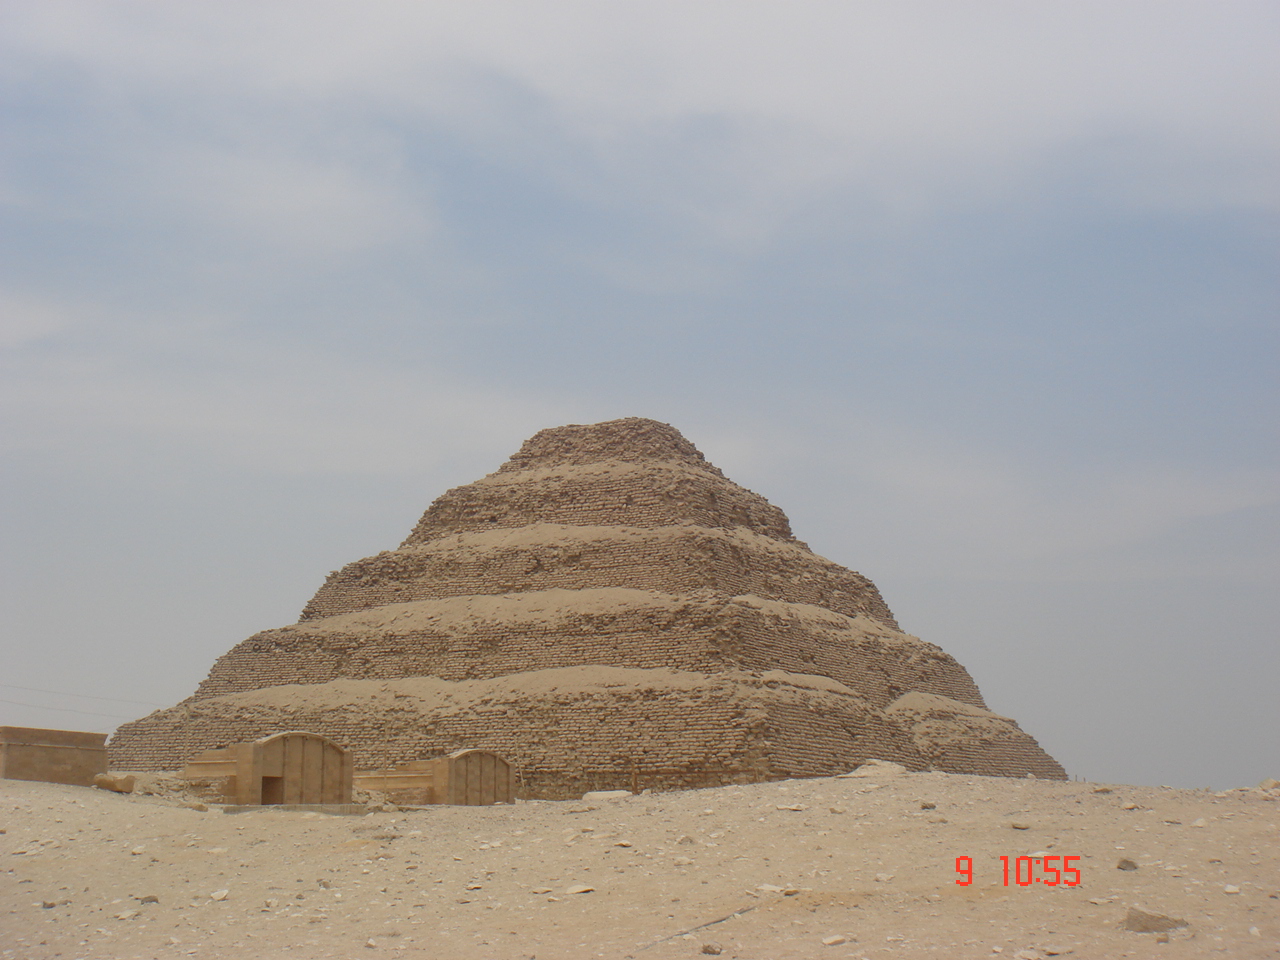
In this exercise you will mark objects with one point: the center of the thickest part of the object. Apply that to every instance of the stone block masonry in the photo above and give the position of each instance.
(605, 609)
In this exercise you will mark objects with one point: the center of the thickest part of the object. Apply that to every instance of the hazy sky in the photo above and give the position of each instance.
(982, 294)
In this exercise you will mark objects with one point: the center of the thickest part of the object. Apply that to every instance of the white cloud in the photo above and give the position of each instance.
(210, 396)
(915, 100)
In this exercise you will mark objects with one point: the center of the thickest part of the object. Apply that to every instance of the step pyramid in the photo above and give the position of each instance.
(607, 610)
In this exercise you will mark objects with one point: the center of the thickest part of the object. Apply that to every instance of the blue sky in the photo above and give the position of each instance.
(983, 295)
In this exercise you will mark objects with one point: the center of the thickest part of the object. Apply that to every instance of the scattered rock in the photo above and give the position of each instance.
(1019, 825)
(127, 915)
(150, 898)
(606, 795)
(371, 943)
(876, 768)
(138, 851)
(1028, 955)
(1129, 806)
(791, 806)
(219, 894)
(1269, 784)
(1101, 789)
(540, 890)
(1140, 921)
(116, 784)
(1055, 951)
(1230, 888)
(712, 949)
(48, 904)
(579, 888)
(928, 806)
(1126, 864)
(834, 941)
(790, 892)
(195, 805)
(837, 809)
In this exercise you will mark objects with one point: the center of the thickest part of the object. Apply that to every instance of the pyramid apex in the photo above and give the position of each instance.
(629, 440)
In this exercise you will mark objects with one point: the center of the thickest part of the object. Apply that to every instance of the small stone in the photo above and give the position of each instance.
(48, 904)
(1018, 825)
(682, 861)
(540, 890)
(1028, 955)
(116, 784)
(219, 894)
(150, 898)
(1101, 789)
(195, 805)
(1269, 784)
(1129, 806)
(883, 877)
(1255, 932)
(475, 886)
(1230, 888)
(1140, 921)
(790, 892)
(837, 809)
(127, 915)
(325, 884)
(1126, 864)
(712, 949)
(791, 806)
(1200, 822)
(138, 851)
(579, 888)
(1055, 951)
(834, 941)
(769, 888)
(622, 843)
(928, 806)
(371, 943)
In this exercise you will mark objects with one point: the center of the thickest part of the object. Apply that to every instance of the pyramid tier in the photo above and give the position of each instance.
(488, 636)
(611, 492)
(589, 727)
(628, 440)
(681, 559)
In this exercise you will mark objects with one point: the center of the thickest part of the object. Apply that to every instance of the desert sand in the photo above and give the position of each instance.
(838, 867)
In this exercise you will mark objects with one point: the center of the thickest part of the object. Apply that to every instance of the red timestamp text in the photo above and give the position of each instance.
(1025, 871)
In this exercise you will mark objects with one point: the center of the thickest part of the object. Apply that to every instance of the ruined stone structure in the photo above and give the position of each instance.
(606, 610)
(470, 778)
(293, 767)
(54, 756)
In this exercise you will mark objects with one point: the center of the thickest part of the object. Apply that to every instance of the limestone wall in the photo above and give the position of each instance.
(677, 560)
(457, 640)
(667, 729)
(601, 494)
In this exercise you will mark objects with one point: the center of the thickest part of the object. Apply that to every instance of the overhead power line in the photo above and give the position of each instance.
(82, 696)
(91, 713)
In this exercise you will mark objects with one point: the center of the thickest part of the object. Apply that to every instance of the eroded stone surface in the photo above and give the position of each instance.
(608, 611)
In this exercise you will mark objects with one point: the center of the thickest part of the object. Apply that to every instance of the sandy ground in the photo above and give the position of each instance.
(825, 868)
